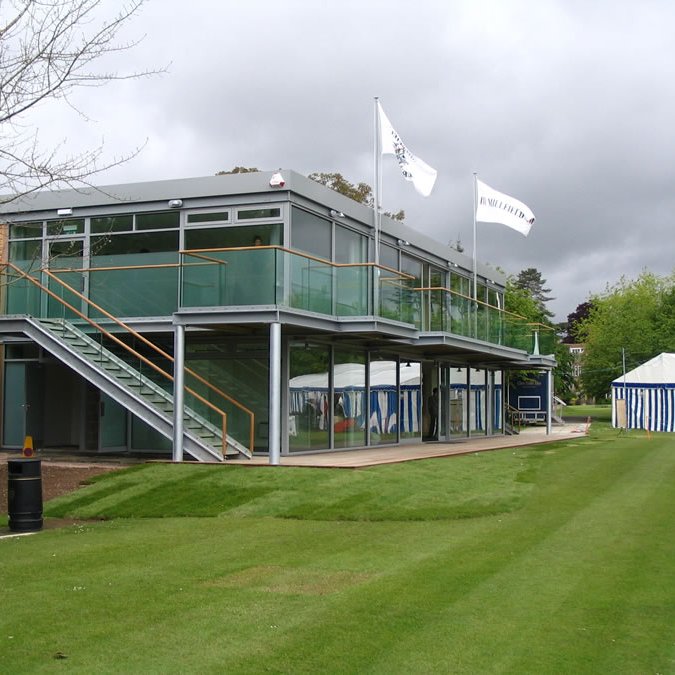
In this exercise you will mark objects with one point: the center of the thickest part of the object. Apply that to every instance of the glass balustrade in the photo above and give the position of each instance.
(271, 276)
(124, 287)
(23, 297)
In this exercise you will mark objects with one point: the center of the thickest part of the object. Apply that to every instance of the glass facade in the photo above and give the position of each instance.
(478, 407)
(409, 414)
(130, 265)
(349, 400)
(310, 233)
(309, 404)
(340, 395)
(458, 400)
(239, 368)
(383, 421)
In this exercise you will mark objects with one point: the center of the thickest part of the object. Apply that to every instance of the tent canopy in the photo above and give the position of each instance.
(659, 370)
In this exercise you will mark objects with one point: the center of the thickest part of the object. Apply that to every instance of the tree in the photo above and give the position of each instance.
(635, 317)
(239, 169)
(531, 280)
(359, 192)
(575, 321)
(564, 382)
(519, 300)
(49, 49)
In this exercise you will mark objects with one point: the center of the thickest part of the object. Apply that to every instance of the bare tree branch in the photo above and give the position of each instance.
(48, 49)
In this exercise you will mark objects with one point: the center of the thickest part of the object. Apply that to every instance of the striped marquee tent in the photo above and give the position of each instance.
(644, 398)
(387, 409)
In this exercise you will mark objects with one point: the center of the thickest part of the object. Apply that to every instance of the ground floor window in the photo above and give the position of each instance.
(309, 402)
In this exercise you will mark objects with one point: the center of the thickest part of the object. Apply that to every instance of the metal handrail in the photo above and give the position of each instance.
(514, 412)
(166, 355)
(482, 302)
(195, 252)
(123, 344)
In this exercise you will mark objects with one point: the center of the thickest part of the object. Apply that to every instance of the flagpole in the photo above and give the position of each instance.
(475, 257)
(377, 163)
(377, 167)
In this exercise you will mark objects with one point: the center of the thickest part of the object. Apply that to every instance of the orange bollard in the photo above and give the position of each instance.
(28, 447)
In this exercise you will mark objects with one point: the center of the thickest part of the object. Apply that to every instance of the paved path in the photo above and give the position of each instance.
(391, 455)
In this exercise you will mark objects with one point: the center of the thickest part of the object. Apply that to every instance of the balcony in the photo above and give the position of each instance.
(158, 284)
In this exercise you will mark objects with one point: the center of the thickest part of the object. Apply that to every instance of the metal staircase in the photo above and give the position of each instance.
(129, 387)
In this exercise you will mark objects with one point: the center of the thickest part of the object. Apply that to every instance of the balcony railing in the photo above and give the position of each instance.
(275, 276)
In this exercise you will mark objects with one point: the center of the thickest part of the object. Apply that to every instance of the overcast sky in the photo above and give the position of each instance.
(568, 106)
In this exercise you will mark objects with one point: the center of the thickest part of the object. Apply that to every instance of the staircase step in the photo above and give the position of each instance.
(147, 386)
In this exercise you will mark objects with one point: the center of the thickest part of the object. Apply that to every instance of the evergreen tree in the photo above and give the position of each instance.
(531, 280)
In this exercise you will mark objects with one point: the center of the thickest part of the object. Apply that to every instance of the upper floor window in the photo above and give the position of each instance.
(65, 227)
(107, 224)
(26, 230)
(310, 233)
(250, 214)
(208, 218)
(162, 220)
(350, 246)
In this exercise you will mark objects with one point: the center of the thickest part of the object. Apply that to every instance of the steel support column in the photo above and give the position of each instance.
(178, 390)
(275, 394)
(549, 404)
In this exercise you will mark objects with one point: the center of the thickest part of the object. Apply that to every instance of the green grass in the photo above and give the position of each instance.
(550, 560)
(598, 413)
(470, 486)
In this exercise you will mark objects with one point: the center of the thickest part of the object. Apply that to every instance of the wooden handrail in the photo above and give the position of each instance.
(166, 355)
(199, 253)
(309, 256)
(481, 302)
(123, 344)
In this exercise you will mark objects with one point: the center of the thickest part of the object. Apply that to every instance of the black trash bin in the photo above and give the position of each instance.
(24, 494)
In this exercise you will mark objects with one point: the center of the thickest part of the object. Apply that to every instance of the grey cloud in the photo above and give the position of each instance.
(565, 105)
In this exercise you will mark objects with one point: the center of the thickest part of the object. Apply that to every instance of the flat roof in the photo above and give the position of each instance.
(44, 204)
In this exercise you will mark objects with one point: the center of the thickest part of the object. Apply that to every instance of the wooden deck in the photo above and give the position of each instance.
(354, 459)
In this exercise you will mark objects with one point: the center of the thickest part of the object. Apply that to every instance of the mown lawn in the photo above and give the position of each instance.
(557, 559)
(598, 413)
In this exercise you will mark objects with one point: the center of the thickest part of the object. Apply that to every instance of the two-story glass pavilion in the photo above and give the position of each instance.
(231, 315)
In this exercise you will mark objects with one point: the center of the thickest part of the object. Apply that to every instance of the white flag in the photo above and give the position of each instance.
(496, 207)
(413, 168)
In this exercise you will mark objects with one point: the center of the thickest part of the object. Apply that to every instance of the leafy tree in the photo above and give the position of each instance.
(359, 192)
(522, 301)
(575, 321)
(49, 49)
(564, 382)
(530, 279)
(239, 169)
(634, 315)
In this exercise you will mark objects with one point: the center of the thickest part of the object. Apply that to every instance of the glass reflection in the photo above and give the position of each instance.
(383, 422)
(349, 399)
(497, 409)
(457, 402)
(478, 402)
(308, 397)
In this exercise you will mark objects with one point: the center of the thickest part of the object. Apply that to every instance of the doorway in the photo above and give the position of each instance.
(65, 257)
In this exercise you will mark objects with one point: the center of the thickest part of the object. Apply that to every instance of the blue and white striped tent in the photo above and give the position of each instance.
(644, 398)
